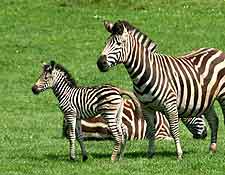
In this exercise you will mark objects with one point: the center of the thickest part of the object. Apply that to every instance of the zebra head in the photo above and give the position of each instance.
(122, 42)
(117, 48)
(46, 78)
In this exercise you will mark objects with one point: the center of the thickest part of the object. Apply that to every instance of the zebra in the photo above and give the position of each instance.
(78, 103)
(96, 128)
(179, 86)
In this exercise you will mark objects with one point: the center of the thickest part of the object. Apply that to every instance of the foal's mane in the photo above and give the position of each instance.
(147, 42)
(68, 76)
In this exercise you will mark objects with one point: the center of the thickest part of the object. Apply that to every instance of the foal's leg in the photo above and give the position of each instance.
(123, 130)
(110, 117)
(71, 122)
(80, 139)
(124, 141)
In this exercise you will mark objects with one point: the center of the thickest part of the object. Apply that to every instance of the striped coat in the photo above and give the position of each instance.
(180, 86)
(96, 128)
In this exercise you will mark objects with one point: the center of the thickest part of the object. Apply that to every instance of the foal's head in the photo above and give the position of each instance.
(52, 74)
(46, 78)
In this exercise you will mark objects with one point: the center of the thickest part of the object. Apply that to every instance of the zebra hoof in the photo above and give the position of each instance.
(179, 158)
(113, 159)
(85, 157)
(212, 148)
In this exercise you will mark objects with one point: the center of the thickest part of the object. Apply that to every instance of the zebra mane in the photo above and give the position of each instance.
(70, 80)
(140, 36)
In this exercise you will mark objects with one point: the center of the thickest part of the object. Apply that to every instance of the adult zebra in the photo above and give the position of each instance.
(96, 128)
(78, 103)
(177, 86)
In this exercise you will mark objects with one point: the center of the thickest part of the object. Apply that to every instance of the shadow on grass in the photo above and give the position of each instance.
(140, 154)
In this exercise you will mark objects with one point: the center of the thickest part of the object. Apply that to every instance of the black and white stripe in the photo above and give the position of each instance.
(78, 103)
(96, 128)
(176, 86)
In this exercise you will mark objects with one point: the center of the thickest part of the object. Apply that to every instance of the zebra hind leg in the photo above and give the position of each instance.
(116, 132)
(124, 141)
(123, 129)
(213, 122)
(80, 139)
(196, 126)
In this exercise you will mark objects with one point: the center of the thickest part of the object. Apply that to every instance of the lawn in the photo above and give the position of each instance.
(71, 32)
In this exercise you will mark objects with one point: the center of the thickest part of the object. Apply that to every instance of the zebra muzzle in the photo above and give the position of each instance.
(35, 90)
(102, 63)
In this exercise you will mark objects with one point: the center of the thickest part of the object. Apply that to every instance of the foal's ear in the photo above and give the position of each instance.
(52, 63)
(108, 26)
(45, 65)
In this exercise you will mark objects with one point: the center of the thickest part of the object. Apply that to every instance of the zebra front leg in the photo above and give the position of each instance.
(213, 122)
(172, 115)
(80, 139)
(71, 121)
(149, 117)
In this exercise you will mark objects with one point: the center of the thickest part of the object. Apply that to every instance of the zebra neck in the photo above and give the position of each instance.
(62, 90)
(140, 67)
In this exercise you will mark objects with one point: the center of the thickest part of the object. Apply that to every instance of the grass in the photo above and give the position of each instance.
(71, 32)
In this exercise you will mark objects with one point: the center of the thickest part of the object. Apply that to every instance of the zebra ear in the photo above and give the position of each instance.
(118, 28)
(108, 26)
(52, 63)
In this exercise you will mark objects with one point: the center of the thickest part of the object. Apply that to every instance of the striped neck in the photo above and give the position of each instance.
(141, 37)
(144, 40)
(62, 88)
(140, 65)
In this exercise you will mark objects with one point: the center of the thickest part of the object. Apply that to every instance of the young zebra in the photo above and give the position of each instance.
(176, 86)
(78, 103)
(96, 128)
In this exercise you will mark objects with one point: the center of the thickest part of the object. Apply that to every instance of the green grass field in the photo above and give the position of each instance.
(71, 32)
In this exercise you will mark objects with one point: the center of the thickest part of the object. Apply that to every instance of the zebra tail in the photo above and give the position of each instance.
(134, 99)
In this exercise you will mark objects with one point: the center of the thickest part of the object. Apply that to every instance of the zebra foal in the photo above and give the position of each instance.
(78, 103)
(180, 86)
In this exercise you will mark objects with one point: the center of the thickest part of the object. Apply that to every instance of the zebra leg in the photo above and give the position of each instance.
(65, 129)
(122, 129)
(116, 132)
(71, 121)
(172, 114)
(80, 139)
(149, 117)
(124, 141)
(196, 126)
(213, 122)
